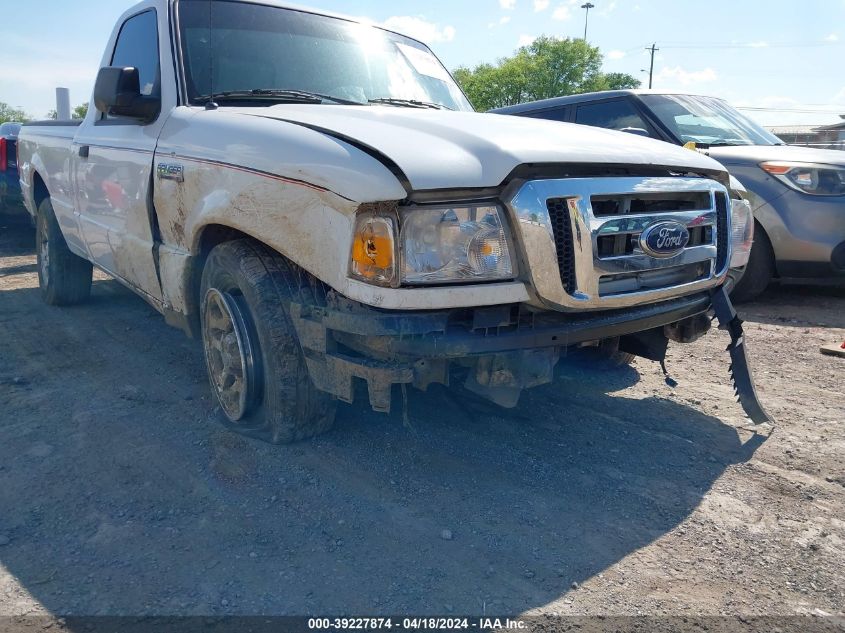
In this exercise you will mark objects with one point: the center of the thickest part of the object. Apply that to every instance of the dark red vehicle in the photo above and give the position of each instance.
(10, 187)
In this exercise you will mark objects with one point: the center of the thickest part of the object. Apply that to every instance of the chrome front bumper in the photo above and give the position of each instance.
(585, 278)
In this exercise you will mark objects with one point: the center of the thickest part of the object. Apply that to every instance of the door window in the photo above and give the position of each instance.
(555, 114)
(619, 114)
(137, 46)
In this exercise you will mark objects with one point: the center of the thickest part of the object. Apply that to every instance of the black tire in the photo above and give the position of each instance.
(605, 355)
(760, 270)
(277, 401)
(64, 278)
(608, 350)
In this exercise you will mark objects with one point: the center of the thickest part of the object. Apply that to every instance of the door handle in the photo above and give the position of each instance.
(84, 150)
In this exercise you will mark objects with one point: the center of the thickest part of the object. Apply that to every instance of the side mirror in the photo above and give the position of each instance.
(118, 93)
(636, 130)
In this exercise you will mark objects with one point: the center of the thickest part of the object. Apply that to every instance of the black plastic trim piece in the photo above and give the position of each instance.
(564, 243)
(548, 171)
(722, 234)
(391, 335)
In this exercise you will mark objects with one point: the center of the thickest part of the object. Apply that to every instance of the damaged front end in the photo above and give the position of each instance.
(635, 261)
(506, 348)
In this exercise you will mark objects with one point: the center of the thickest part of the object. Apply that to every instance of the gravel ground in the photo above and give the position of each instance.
(607, 493)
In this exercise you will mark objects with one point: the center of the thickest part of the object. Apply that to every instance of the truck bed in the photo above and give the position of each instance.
(53, 141)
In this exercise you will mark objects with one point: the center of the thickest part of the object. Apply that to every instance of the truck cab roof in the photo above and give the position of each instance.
(166, 4)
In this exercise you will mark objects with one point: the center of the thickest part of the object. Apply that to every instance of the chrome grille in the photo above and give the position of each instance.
(583, 238)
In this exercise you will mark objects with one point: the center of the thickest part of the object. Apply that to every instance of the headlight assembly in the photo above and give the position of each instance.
(454, 244)
(461, 243)
(813, 178)
(742, 232)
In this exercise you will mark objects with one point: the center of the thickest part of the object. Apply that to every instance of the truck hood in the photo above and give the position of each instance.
(753, 154)
(437, 149)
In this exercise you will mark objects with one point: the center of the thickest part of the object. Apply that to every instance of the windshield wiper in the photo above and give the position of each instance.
(411, 103)
(274, 94)
(723, 144)
(729, 143)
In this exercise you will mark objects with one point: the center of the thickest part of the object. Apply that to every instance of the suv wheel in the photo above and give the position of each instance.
(760, 270)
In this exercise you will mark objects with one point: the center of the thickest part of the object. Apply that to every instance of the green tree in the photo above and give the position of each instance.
(78, 112)
(548, 67)
(8, 113)
(620, 81)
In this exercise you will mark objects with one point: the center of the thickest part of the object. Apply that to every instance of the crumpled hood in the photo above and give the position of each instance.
(745, 154)
(438, 149)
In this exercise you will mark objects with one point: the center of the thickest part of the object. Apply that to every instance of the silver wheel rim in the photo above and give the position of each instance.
(44, 252)
(228, 354)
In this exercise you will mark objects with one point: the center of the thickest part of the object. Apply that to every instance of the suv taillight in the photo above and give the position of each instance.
(4, 159)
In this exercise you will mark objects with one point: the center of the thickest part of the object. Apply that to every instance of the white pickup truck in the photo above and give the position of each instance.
(315, 198)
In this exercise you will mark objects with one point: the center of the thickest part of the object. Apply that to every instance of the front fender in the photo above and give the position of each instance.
(310, 226)
(290, 187)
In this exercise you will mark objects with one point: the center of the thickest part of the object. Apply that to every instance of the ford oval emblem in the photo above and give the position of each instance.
(664, 239)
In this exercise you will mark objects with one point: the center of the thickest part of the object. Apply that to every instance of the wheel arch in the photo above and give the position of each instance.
(39, 191)
(206, 238)
(759, 227)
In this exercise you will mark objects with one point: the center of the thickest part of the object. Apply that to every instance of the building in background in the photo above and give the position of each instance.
(838, 131)
(825, 136)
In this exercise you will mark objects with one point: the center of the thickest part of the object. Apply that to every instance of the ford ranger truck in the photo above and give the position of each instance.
(316, 200)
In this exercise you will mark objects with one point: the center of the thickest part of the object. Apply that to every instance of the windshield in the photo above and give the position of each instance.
(236, 47)
(707, 121)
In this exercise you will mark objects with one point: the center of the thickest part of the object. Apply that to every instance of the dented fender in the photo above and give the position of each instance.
(290, 187)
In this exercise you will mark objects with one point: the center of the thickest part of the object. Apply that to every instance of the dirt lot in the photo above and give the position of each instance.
(607, 493)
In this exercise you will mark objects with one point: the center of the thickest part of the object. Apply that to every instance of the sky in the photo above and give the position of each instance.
(783, 59)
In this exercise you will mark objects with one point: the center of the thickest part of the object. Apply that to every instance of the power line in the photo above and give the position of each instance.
(797, 110)
(747, 72)
(728, 45)
(761, 45)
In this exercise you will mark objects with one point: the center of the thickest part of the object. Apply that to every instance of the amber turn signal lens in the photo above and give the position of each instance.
(777, 169)
(373, 250)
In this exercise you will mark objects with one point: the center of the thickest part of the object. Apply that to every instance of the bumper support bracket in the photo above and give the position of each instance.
(740, 369)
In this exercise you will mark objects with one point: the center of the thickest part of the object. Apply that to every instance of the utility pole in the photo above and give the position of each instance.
(63, 104)
(587, 6)
(653, 50)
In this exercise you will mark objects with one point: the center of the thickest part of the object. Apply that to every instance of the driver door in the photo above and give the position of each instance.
(114, 167)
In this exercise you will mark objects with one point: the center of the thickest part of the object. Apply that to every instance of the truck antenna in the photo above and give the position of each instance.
(211, 104)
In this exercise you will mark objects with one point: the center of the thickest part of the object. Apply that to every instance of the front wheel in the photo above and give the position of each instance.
(64, 278)
(760, 270)
(253, 357)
